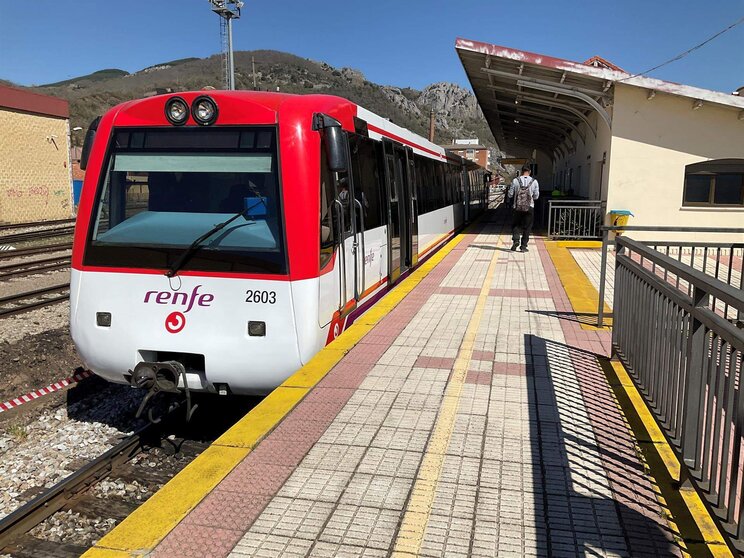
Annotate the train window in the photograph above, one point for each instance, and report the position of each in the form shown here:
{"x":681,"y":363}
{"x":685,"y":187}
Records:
{"x":367,"y":180}
{"x":328,"y":216}
{"x":154,"y":202}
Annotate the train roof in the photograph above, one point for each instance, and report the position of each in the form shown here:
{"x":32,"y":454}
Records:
{"x":272,"y":103}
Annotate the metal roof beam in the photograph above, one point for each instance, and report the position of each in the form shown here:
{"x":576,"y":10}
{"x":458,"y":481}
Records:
{"x":572,"y":108}
{"x":539,"y":124}
{"x":538,"y":81}
{"x":571,"y":92}
{"x":546,"y":115}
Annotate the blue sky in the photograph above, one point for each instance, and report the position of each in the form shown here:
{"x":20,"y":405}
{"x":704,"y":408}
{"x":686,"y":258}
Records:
{"x":398,"y":42}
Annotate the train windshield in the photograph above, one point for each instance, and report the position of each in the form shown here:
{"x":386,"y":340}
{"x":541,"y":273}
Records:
{"x":164,"y":188}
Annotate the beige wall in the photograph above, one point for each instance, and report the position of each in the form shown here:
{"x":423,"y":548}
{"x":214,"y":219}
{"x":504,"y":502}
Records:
{"x":586,"y":161}
{"x":35,"y":179}
{"x":653,"y":140}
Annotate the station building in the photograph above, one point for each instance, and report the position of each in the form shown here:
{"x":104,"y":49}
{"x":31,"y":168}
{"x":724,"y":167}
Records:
{"x":671,"y":154}
{"x":35,"y":170}
{"x":471,"y":149}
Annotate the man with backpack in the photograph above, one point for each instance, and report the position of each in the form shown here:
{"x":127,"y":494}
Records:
{"x":523,"y":191}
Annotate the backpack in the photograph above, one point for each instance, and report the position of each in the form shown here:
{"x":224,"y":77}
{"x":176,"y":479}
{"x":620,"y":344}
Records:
{"x":523,"y":196}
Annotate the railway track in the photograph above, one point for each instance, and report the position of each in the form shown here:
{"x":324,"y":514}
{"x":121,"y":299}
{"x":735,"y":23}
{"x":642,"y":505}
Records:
{"x":36,"y":235}
{"x":30,"y":300}
{"x":14,"y":226}
{"x":32,"y":267}
{"x":8,"y":254}
{"x":149,"y":457}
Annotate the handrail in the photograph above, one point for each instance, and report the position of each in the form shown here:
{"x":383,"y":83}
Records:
{"x":686,"y":359}
{"x":717,"y":288}
{"x":342,"y":263}
{"x":361,"y":220}
{"x":665,"y":228}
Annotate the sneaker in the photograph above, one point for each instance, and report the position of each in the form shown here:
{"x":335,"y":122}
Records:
{"x":523,"y":249}
{"x":515,"y":246}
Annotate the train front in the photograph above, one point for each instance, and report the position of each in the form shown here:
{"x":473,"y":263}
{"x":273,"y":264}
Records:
{"x":180,"y":267}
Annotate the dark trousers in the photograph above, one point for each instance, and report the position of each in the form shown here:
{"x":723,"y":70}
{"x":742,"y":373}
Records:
{"x":522,"y":227}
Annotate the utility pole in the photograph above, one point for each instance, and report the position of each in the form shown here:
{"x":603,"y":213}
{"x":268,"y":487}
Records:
{"x":227,"y":10}
{"x":432,"y":121}
{"x":253,"y":69}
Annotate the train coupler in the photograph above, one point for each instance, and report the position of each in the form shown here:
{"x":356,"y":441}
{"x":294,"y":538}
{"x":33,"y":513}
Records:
{"x":161,"y":377}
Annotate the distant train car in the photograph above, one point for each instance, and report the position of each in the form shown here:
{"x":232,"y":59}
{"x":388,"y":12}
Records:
{"x":223,"y":239}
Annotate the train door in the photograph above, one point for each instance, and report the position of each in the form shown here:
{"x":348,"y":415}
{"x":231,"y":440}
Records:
{"x":468,"y":194}
{"x":349,"y":268}
{"x":413,"y":206}
{"x":398,"y":178}
{"x":392,"y":187}
{"x":339,"y":288}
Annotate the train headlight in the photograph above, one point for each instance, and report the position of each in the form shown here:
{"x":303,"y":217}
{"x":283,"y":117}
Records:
{"x":204,"y":110}
{"x":257,"y":329}
{"x":103,"y":319}
{"x":176,"y":111}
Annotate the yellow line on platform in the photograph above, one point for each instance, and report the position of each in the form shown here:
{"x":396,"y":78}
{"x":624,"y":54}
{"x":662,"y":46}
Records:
{"x":690,"y":516}
{"x":581,"y":244}
{"x":416,"y":517}
{"x":581,"y":293}
{"x":149,"y":524}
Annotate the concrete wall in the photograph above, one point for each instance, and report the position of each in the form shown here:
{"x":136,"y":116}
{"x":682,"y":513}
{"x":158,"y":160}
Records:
{"x":35,"y":179}
{"x":653,"y":140}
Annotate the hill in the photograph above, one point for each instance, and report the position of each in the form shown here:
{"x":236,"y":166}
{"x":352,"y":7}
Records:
{"x":457,"y":112}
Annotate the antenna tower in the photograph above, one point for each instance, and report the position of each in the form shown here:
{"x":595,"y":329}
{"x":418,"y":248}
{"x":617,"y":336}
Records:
{"x":227,"y":10}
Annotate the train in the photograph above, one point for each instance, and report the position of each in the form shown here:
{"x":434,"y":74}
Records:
{"x":224,"y":237}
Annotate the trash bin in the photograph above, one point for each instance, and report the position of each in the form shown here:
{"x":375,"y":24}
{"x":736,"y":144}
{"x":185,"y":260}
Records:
{"x":619,"y":217}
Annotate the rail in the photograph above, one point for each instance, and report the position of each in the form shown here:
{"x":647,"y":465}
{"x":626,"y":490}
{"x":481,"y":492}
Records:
{"x":572,"y":219}
{"x":686,"y":359}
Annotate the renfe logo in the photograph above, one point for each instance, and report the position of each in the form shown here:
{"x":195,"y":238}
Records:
{"x":180,"y":299}
{"x":175,"y":322}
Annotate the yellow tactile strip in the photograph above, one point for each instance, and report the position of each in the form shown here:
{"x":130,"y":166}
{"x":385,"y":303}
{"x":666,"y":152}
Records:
{"x":417,"y":513}
{"x":139,"y":533}
{"x":581,"y":293}
{"x":697,"y":527}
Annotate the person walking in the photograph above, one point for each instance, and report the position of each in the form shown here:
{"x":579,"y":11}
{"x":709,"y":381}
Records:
{"x":523,"y":191}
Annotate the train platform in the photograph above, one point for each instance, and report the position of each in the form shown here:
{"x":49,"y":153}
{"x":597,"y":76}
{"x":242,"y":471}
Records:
{"x":471,"y":412}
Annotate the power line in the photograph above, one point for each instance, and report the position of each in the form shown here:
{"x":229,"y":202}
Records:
{"x":688,"y":51}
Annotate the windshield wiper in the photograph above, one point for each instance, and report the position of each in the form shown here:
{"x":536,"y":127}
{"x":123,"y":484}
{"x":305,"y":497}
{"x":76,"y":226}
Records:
{"x":196,"y":244}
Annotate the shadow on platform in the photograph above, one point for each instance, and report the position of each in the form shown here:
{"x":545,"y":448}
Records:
{"x":593,"y":496}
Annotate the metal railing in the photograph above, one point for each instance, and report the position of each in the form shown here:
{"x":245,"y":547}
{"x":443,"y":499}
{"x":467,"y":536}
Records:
{"x":686,"y":359}
{"x":716,"y":259}
{"x":571,"y":219}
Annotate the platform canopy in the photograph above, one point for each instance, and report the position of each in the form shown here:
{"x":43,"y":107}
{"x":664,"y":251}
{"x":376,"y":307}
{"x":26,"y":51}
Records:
{"x":533,"y":101}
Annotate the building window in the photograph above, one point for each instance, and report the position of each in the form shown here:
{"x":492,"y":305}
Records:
{"x":714,"y":183}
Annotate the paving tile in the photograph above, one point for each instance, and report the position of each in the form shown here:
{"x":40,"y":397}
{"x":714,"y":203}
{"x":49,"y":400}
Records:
{"x":261,"y":545}
{"x":197,"y":541}
{"x":332,"y":550}
{"x":333,"y":457}
{"x":253,"y":476}
{"x":362,"y":526}
{"x":390,"y":462}
{"x":228,"y":510}
{"x":377,"y":491}
{"x":293,"y":518}
{"x":315,"y":484}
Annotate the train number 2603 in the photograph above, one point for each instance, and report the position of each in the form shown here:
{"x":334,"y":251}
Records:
{"x":260,"y":297}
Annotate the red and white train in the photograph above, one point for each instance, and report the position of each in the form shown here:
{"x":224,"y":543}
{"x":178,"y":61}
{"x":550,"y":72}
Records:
{"x":223,"y":239}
